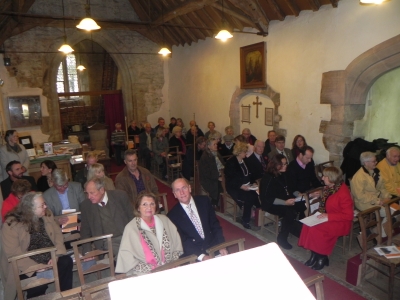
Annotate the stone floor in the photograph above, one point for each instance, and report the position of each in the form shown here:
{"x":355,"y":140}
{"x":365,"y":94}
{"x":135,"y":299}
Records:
{"x":338,"y":262}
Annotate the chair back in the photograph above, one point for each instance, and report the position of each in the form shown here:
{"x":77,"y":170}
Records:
{"x":312,"y":204}
{"x":317,"y":281}
{"x":391,"y":214}
{"x":176,"y":263}
{"x":34,"y":281}
{"x":163,"y":201}
{"x":101,"y":264}
{"x":240,"y":242}
{"x":370,"y":221}
{"x":320,"y":168}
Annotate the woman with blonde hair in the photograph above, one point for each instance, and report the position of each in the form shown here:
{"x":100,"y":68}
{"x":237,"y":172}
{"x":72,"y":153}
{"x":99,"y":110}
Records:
{"x":180,"y":123}
{"x":97,"y":170}
{"x":336,"y":207}
{"x":239,"y":184}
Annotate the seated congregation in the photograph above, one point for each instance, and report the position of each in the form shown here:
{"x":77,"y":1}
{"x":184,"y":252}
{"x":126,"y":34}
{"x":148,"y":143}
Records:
{"x":262,"y":176}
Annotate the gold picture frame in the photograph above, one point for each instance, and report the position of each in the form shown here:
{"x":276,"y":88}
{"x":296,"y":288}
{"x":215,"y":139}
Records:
{"x":252,"y":66}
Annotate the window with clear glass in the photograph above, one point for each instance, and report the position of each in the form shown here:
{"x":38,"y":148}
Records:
{"x":67,"y":75}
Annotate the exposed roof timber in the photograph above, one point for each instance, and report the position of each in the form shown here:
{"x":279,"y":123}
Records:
{"x":293,"y":7}
{"x":140,"y":11}
{"x":187,"y":20}
{"x":231,"y":12}
{"x":183,"y":9}
{"x":275,"y":9}
{"x":334,"y":3}
{"x":315,"y":4}
{"x":199,"y":22}
{"x":253,"y":11}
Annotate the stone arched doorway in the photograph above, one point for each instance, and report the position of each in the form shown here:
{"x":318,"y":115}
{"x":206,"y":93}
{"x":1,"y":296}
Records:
{"x":346,"y":91}
{"x":239,"y":94}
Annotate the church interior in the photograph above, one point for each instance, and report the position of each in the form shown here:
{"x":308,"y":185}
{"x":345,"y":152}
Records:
{"x":329,"y":73}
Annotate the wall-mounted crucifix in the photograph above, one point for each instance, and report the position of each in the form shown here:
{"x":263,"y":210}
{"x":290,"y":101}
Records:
{"x":256,"y":103}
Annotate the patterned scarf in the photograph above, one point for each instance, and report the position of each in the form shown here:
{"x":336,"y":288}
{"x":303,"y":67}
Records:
{"x":326,"y":192}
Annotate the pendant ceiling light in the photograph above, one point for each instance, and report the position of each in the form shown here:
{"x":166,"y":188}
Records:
{"x":88,"y":23}
{"x":224,"y":34}
{"x":164,"y":51}
{"x":80,"y":67}
{"x":65,"y":47}
{"x":372,"y":1}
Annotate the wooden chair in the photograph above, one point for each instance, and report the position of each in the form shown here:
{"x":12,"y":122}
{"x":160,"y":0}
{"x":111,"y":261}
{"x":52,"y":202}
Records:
{"x":312,"y":208}
{"x":99,"y":288}
{"x":266,"y":218}
{"x":370,"y":220}
{"x":173,"y":264}
{"x":68,"y":236}
{"x":320,"y":168}
{"x":25,"y":284}
{"x":240,"y":242}
{"x":174,"y":163}
{"x":229,"y":203}
{"x":163,"y":201}
{"x":100,"y":264}
{"x":390,"y":226}
{"x":317,"y":281}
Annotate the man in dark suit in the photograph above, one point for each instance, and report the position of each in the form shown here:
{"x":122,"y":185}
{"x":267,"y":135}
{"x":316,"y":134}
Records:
{"x":188,"y":162}
{"x":146,"y":148}
{"x":250,"y":139}
{"x":301,"y":172}
{"x":196,"y":221}
{"x":280,"y":149}
{"x":226,"y":149}
{"x":256,"y":162}
{"x":104,"y":212}
{"x":270,"y":142}
{"x":15,"y":170}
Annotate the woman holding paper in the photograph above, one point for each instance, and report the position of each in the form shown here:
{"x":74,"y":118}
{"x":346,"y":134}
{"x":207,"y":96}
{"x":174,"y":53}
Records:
{"x":277,"y":198}
{"x":336,"y":207}
{"x":31,"y":226}
{"x":149,"y":240}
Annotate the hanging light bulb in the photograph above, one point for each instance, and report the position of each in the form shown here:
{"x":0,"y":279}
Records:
{"x":88,"y":23}
{"x":372,"y":1}
{"x":65,"y":47}
{"x":80,"y":68}
{"x":223,"y":35}
{"x":164,"y":51}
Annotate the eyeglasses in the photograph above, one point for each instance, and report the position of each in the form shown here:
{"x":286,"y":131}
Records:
{"x":285,"y":164}
{"x":61,"y":186}
{"x":146,"y":204}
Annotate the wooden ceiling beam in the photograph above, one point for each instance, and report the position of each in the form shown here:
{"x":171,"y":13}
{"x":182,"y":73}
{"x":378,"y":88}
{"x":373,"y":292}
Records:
{"x":315,"y":4}
{"x":276,"y":10}
{"x":199,"y":22}
{"x":253,"y":10}
{"x":140,"y":10}
{"x":334,"y":3}
{"x":293,"y":7}
{"x":187,"y":20}
{"x":234,"y":14}
{"x":182,"y":9}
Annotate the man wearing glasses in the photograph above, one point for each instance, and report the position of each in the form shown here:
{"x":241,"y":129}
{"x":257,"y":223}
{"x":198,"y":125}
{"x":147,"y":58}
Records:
{"x":63,"y":194}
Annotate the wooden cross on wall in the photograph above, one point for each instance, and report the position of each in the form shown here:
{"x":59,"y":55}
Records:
{"x":256,"y":103}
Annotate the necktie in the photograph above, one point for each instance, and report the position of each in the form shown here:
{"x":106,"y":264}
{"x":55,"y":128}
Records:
{"x":263,"y":163}
{"x":195,"y":221}
{"x":102,"y":203}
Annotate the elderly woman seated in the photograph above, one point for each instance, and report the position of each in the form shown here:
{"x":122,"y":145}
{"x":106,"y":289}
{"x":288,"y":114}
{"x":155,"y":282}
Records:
{"x":367,"y":186}
{"x":97,"y":171}
{"x":336,"y":207}
{"x":177,"y":140}
{"x":149,"y":240}
{"x":31,"y":226}
{"x":210,"y":167}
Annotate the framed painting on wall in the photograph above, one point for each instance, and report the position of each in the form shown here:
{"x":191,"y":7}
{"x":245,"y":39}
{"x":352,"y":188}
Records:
{"x":24,"y":111}
{"x":269,"y":117}
{"x":252,"y":66}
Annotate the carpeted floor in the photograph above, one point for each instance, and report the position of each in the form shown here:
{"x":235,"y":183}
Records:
{"x":332,"y":289}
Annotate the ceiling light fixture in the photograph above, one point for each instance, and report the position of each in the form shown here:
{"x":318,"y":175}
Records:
{"x":164,"y":51}
{"x":88,"y":23}
{"x":80,"y":67}
{"x":65,"y":47}
{"x":372,"y":2}
{"x":224,"y":34}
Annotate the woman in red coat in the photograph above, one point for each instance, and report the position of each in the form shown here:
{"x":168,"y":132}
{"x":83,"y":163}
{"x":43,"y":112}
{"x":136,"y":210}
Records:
{"x":337,"y":206}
